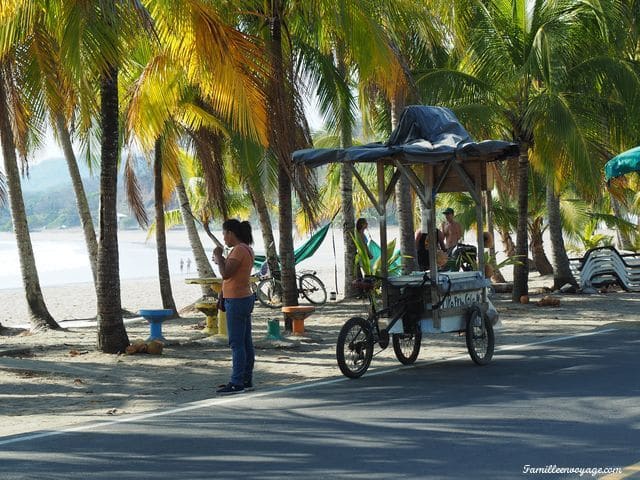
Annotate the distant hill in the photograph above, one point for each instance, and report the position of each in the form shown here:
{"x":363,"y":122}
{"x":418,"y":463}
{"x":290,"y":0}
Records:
{"x":50,"y":174}
{"x":51,"y":203}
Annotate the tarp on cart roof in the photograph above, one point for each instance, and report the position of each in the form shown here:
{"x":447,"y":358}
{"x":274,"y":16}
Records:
{"x":424,"y":135}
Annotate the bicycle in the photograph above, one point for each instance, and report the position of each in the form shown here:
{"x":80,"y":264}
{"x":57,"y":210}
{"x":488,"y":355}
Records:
{"x":269,"y":290}
{"x":356,"y":340}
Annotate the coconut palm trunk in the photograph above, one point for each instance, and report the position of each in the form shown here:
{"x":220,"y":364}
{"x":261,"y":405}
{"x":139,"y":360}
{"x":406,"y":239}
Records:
{"x":346,"y":183}
{"x":39,"y":315}
{"x":561,"y":268}
{"x":404,"y":204}
{"x":203,"y":266}
{"x":161,"y":235}
{"x":521,"y":268}
{"x":260,"y":204}
{"x":496,"y":276}
{"x":540,"y":260}
{"x":112,"y":335}
{"x":281,"y":126}
{"x":287,"y":259}
{"x":624,"y":242}
{"x":81,"y":198}
{"x":507,"y":241}
{"x":348,"y":228}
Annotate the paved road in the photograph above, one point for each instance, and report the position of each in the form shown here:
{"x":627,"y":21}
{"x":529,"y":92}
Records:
{"x":569,"y":403}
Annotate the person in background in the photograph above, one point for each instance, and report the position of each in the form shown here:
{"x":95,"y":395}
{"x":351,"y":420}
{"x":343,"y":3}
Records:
{"x":451,"y":229}
{"x":361,"y":226}
{"x":238,"y":302}
{"x":422,"y":248}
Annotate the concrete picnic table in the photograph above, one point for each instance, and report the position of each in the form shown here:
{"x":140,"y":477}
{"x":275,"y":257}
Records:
{"x":208,"y":305}
{"x":216,"y":320}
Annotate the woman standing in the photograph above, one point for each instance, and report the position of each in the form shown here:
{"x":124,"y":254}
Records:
{"x":238,"y":302}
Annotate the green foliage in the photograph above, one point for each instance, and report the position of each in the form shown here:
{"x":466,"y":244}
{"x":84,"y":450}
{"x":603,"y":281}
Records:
{"x":488,"y":260}
{"x":362,"y":258}
{"x":590,"y":239}
{"x":635,"y":242}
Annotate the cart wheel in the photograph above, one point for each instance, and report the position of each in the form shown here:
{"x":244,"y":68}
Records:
{"x":406,"y":346}
{"x":355,"y":347}
{"x":480,"y":337}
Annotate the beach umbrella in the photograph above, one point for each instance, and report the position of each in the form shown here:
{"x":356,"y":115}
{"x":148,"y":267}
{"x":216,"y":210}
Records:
{"x":622,"y":164}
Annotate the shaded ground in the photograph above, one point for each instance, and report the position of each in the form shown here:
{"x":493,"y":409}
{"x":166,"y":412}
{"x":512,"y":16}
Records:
{"x":57,"y":378}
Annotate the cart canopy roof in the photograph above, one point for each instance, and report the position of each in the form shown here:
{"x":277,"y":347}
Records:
{"x":424,"y":135}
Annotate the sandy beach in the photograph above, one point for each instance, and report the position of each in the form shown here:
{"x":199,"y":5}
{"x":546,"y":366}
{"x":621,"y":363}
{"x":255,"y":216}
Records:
{"x":55,"y":379}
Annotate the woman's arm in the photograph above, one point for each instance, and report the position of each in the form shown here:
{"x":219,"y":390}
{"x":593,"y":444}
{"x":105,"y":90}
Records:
{"x":227,"y":266}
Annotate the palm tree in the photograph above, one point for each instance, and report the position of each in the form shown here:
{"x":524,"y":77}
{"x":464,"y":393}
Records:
{"x":366,"y":41}
{"x":202,"y":93}
{"x":287,"y":132}
{"x":54,"y":81}
{"x":522,"y":65}
{"x":21,"y":106}
{"x":414,"y":37}
{"x":537,"y":207}
{"x":112,"y":335}
{"x":203,"y":267}
{"x":81,"y":198}
{"x":161,"y":236}
{"x":257,"y":171}
{"x":40,"y":317}
{"x":561,"y":267}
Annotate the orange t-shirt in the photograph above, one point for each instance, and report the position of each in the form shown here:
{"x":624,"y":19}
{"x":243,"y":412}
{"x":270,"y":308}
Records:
{"x":239,"y":285}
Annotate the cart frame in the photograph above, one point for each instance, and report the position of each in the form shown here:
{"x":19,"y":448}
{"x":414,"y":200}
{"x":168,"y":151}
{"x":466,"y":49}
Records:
{"x":456,"y":164}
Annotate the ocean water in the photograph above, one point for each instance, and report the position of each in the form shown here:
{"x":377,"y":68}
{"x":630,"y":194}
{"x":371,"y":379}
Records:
{"x":61,"y":256}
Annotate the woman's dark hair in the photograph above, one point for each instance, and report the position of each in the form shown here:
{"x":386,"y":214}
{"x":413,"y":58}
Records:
{"x":242,"y":230}
{"x":361,"y":223}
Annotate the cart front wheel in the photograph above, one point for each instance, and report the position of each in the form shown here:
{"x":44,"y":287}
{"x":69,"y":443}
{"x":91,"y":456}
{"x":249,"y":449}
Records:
{"x":480,"y":337}
{"x":355,"y":347}
{"x":406,"y":346}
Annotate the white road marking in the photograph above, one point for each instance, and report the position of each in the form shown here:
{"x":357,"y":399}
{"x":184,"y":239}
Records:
{"x":303,"y":386}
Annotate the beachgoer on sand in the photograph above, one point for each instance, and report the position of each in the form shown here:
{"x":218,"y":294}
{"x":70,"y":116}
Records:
{"x":238,"y":302}
{"x":188,"y":265}
{"x":361,"y":226}
{"x":181,"y":265}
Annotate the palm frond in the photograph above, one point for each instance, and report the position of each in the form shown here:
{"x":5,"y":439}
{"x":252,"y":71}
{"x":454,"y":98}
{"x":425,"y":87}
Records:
{"x":133,"y":193}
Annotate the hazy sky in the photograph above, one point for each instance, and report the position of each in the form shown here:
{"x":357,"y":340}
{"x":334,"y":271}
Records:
{"x":50,"y":148}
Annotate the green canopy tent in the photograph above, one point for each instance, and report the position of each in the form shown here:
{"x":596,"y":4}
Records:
{"x":304,"y":251}
{"x":622,"y":164}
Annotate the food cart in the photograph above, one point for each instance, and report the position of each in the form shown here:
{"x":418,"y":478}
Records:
{"x":435,"y":154}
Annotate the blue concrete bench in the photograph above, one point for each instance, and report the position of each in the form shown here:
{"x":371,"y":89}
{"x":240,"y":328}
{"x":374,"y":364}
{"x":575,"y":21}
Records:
{"x":155,"y":319}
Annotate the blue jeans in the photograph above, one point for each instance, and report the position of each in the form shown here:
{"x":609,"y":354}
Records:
{"x":239,"y":330}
